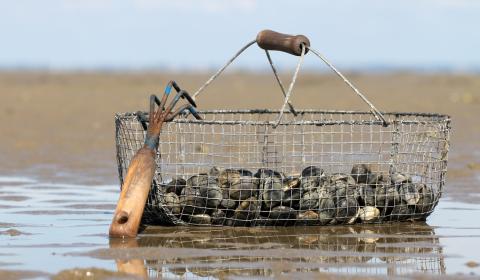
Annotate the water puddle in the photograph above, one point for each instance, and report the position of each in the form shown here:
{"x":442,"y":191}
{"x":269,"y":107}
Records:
{"x":59,"y":227}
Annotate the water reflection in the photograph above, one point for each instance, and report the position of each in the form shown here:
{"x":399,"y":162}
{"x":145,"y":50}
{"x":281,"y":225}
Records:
{"x":392,"y":249}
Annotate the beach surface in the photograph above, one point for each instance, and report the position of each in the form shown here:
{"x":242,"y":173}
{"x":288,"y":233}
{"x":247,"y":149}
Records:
{"x":59,"y":182}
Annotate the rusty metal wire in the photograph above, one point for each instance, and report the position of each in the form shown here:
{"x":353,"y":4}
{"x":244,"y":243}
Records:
{"x":208,"y":170}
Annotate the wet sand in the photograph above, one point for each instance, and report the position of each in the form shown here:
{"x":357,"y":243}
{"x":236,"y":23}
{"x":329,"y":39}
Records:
{"x":58,"y":183}
{"x":60,"y":125}
{"x":60,"y":243}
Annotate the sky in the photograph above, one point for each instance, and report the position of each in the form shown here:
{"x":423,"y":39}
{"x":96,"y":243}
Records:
{"x":203,"y":34}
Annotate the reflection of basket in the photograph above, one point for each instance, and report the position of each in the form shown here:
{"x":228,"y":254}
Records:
{"x":294,"y":252}
{"x":302,"y":162}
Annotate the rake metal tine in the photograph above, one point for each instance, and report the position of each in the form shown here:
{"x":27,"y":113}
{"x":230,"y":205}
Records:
{"x":194,"y":112}
{"x":175,"y":85}
{"x":177,"y":112}
{"x":153,"y":100}
{"x":175,"y":100}
{"x":187,"y":96}
{"x":184,"y":107}
{"x":166,"y":93}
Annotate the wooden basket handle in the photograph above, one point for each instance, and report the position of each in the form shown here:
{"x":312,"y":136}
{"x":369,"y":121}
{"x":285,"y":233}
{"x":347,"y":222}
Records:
{"x":274,"y":41}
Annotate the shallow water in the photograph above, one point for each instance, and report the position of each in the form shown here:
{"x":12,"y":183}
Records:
{"x":47,"y":227}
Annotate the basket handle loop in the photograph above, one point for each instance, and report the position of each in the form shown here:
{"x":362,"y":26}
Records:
{"x":292,"y":83}
{"x":194,"y":96}
{"x":376,"y":113}
{"x":297,"y":45}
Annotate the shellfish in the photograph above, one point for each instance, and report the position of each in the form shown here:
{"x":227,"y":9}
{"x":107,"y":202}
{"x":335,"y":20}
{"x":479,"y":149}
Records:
{"x":360,"y":173}
{"x":192,"y":201}
{"x":409,"y":193}
{"x":346,"y":209}
{"x":176,"y":185}
{"x":171,"y":202}
{"x":368,"y":214}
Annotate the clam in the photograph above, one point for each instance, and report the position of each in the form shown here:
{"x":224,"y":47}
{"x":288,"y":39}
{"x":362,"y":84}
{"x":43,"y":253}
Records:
{"x":312,"y":171}
{"x":409,"y":193}
{"x":367,"y":195}
{"x":360,"y":173}
{"x":272,"y":192}
{"x":229,"y":177}
{"x":401,"y":212}
{"x":309,"y":200}
{"x":291,"y":183}
{"x":344,"y":190}
{"x":175,"y":185}
{"x":171,"y":202}
{"x":368,"y":214}
{"x":246,"y":187}
{"x":327,"y":188}
{"x":326,"y":209}
{"x":386,"y":195}
{"x":292,"y":192}
{"x":247,"y":210}
{"x":346,"y":209}
{"x":373,"y":179}
{"x":427,"y":199}
{"x":212,"y":194}
{"x":291,"y":198}
{"x":307,"y":218}
{"x":311,"y":178}
{"x":227,"y":202}
{"x":200,"y":219}
{"x":199,"y":180}
{"x":245,"y":172}
{"x":400,"y":178}
{"x":214,"y":171}
{"x":282,"y":215}
{"x":335,"y":178}
{"x":192,"y":201}
{"x":263,"y":173}
{"x":240,"y":183}
{"x":218,"y":217}
{"x":309,"y":184}
{"x":208,"y":189}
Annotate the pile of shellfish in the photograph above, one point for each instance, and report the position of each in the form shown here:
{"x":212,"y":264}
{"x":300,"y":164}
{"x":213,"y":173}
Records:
{"x":239,"y":197}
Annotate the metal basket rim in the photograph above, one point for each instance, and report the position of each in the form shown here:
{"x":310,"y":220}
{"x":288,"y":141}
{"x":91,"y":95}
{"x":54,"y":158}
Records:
{"x":435,"y":118}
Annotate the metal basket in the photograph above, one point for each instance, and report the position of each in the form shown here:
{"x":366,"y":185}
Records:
{"x":308,"y":167}
{"x":408,"y":158}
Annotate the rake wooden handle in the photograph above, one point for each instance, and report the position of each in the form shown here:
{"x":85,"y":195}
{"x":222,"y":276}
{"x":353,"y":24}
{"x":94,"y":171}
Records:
{"x":136,"y":186}
{"x":271,"y":40}
{"x":130,"y":266}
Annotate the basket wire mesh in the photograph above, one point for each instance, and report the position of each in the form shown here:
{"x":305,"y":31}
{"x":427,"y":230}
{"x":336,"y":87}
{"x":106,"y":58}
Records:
{"x":320,"y":167}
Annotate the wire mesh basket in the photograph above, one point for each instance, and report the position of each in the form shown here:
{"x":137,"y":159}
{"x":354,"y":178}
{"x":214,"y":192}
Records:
{"x":319,"y":167}
{"x":279,"y":168}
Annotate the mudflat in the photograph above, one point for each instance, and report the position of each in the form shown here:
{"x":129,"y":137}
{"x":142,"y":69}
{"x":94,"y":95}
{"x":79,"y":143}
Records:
{"x":66,"y":120}
{"x":59,"y":185}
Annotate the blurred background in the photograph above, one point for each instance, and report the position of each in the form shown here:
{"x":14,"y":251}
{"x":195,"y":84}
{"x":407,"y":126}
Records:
{"x":67,"y":66}
{"x":432,"y":35}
